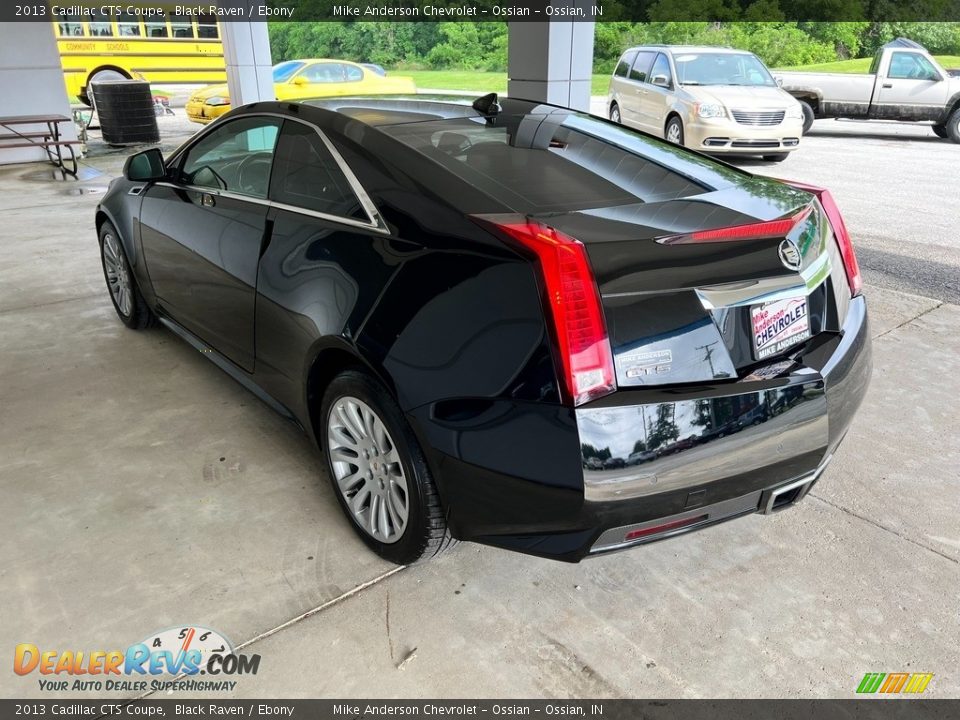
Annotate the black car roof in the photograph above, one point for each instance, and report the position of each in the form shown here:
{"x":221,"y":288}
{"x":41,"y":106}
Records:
{"x":394,"y":120}
{"x":397,"y":109}
{"x":385,"y":111}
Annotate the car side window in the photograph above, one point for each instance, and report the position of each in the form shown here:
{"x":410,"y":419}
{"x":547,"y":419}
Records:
{"x":661,"y":66}
{"x":353,"y":74}
{"x":641,"y":66}
{"x":236,"y":157}
{"x":307,"y":176}
{"x":324,"y":73}
{"x":911,"y":66}
{"x":623,"y":67}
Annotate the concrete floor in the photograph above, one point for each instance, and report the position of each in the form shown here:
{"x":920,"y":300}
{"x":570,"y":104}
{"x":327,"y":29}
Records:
{"x":142,"y":488}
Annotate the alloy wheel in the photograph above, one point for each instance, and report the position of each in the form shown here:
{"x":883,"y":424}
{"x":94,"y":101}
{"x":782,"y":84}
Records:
{"x":673,"y":133}
{"x":367,"y":468}
{"x":615,"y":114}
{"x":118,"y":276}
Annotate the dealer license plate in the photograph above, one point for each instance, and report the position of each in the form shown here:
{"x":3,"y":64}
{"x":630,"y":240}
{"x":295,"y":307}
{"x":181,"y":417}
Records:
{"x":779,"y":325}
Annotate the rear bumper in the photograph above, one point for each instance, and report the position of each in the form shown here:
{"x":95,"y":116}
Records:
{"x":565,"y":484}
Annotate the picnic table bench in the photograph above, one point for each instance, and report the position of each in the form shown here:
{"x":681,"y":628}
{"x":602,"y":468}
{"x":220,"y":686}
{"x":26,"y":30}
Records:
{"x":59,"y":151}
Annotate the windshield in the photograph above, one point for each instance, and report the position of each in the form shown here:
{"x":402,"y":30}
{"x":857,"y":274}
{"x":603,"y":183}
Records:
{"x":285,"y":70}
{"x":721,"y":69}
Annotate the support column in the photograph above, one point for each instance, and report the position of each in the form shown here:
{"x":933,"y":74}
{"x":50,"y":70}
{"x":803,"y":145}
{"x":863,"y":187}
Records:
{"x":246,"y":49}
{"x":551,"y":61}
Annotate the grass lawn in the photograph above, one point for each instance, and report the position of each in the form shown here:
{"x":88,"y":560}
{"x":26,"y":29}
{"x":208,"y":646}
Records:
{"x":497,"y":82}
{"x":862,"y":65}
{"x":478,"y":80}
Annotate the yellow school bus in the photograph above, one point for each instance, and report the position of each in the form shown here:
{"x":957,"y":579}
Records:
{"x":175,"y":49}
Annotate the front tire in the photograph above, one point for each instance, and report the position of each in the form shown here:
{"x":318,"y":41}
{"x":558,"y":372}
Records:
{"x":131,"y":308}
{"x":953,"y":126}
{"x":776,"y":157}
{"x":105,"y":75}
{"x":379,"y":473}
{"x":673,"y":132}
{"x":808,"y":116}
{"x":615,"y":114}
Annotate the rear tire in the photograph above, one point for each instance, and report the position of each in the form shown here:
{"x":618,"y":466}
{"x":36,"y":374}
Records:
{"x":808,"y":115}
{"x":673,"y":131}
{"x":941,"y":131}
{"x":125,"y":295}
{"x":378,"y":471}
{"x":104,"y":75}
{"x":953,"y":126}
{"x":776,"y":157}
{"x":615,"y":114}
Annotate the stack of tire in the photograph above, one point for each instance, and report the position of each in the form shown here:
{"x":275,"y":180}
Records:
{"x":126,"y":112}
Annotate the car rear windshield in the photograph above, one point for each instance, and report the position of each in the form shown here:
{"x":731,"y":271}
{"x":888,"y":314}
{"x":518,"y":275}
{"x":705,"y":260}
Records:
{"x":540,"y":163}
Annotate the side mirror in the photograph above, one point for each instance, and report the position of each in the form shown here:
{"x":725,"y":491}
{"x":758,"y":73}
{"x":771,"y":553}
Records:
{"x":300,"y":80}
{"x":661,"y":81}
{"x":145,"y":166}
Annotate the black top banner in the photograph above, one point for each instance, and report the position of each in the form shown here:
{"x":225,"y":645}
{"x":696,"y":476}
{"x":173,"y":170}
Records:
{"x":497,"y":10}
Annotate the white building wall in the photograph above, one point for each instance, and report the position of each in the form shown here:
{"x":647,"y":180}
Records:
{"x":31,"y":82}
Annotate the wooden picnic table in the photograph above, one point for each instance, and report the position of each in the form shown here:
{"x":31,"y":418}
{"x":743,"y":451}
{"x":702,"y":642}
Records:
{"x":49,"y":139}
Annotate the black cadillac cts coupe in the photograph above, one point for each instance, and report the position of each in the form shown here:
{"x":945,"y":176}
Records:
{"x":514,"y":324}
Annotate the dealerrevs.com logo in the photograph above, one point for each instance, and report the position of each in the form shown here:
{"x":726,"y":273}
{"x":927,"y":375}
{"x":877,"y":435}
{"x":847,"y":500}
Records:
{"x":171,"y":659}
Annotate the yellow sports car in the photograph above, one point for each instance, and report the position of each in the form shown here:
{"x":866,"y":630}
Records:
{"x":296,"y":79}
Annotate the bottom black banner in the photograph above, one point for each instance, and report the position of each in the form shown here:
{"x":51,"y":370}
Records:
{"x":905,"y":709}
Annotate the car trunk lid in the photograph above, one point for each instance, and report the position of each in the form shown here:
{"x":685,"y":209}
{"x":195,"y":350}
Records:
{"x":712,"y":287}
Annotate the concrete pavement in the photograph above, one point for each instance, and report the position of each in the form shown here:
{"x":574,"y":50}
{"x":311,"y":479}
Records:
{"x":144,"y":489}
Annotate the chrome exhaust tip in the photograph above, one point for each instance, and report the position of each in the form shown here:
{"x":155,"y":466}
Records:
{"x":782,"y":497}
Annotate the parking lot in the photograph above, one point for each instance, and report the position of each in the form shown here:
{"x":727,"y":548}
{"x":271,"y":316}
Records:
{"x":144,"y":489}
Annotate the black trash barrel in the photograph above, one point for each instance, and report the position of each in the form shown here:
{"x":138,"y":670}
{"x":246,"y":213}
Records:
{"x":125,"y":109}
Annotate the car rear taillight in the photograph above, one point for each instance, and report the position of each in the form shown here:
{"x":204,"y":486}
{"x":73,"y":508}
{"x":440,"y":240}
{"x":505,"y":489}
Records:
{"x":830,"y":209}
{"x":750,"y":231}
{"x":572,"y":302}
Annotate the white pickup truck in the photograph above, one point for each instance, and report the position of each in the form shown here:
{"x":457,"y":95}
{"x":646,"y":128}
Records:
{"x":905,"y":84}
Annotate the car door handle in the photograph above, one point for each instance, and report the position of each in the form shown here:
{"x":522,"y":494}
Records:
{"x":207,"y":200}
{"x":887,"y":86}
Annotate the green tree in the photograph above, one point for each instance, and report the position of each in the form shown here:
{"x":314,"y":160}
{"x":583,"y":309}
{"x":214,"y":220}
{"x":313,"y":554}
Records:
{"x":663,"y":429}
{"x":845,"y":37}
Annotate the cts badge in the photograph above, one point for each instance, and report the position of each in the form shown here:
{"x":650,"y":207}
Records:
{"x":790,"y":255}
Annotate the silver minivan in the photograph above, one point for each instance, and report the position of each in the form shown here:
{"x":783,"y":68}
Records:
{"x":716,"y":100}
